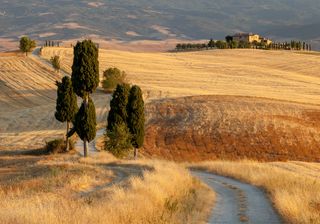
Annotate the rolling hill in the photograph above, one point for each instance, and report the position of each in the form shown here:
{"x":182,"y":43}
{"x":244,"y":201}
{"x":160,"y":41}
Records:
{"x":200,"y":105}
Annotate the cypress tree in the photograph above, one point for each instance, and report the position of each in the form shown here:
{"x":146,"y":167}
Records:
{"x":85,"y":68}
{"x":85,"y":80}
{"x":66,"y":105}
{"x":85,"y":121}
{"x":118,"y":106}
{"x":136,"y":119}
{"x":119,"y":137}
{"x":211,"y":43}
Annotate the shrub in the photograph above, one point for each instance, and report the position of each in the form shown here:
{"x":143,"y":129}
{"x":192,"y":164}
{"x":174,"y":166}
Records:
{"x":118,"y":140}
{"x":58,"y":146}
{"x":55,"y":61}
{"x":112,"y":77}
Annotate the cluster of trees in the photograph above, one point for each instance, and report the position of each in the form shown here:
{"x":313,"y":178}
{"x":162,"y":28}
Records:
{"x":51,"y":43}
{"x":126,"y":120}
{"x":125,"y":127}
{"x":229,"y":43}
{"x":26,"y":45}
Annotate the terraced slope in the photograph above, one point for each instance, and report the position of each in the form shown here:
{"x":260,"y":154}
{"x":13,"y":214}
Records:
{"x":25,"y":83}
{"x":27,"y":103}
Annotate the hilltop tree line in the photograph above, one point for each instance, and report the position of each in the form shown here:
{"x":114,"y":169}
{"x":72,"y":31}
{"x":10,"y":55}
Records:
{"x":229,"y":43}
{"x":125,"y":128}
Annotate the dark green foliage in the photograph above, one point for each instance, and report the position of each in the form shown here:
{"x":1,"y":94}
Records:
{"x":55,"y":61}
{"x":112,"y":77}
{"x":55,"y":146}
{"x":26,"y":44}
{"x":66,"y":107}
{"x":221,"y":44}
{"x":85,"y":68}
{"x":229,"y":39}
{"x":118,"y":106}
{"x":136,"y":119}
{"x":191,"y":47}
{"x":118,"y":140}
{"x":85,"y":121}
{"x":211,"y":43}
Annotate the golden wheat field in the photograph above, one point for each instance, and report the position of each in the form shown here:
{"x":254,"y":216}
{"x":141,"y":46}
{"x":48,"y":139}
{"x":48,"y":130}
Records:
{"x":272,"y":74}
{"x":292,"y":186}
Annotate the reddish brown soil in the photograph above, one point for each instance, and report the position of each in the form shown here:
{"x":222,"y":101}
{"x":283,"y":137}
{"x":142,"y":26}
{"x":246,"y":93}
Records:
{"x":228,"y":127}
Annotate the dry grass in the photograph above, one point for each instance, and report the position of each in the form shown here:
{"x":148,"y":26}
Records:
{"x":293,"y":186}
{"x":66,"y":190}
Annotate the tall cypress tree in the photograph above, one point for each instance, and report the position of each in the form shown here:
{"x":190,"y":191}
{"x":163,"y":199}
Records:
{"x":66,"y":105}
{"x":118,"y":106}
{"x":136,"y":119}
{"x":85,"y":80}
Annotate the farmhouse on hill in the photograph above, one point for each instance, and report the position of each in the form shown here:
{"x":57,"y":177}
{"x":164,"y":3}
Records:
{"x":250,"y":38}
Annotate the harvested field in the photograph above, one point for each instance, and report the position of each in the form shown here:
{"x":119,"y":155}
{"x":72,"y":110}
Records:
{"x":227,"y":127}
{"x":270,"y":74}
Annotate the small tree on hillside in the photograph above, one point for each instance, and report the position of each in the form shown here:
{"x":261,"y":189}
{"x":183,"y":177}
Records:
{"x":55,"y":61}
{"x":66,"y":106}
{"x":136,"y":119}
{"x":112,"y":77}
{"x":85,"y":80}
{"x":26,"y":45}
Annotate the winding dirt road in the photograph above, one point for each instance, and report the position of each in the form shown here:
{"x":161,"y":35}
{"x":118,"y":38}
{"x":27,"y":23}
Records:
{"x":238,"y":202}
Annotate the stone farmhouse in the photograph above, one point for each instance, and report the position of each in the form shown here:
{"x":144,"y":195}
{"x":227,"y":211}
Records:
{"x":250,"y":38}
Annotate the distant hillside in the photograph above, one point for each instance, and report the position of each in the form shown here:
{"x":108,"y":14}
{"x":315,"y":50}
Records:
{"x":158,"y":20}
